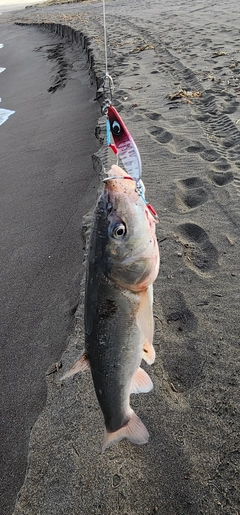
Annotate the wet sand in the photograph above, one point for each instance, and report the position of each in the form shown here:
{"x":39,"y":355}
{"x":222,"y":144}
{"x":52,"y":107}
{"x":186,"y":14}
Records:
{"x":190,"y":148}
{"x":47,"y":184}
{"x":11,"y":5}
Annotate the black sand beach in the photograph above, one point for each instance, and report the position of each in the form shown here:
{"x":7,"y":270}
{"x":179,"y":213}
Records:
{"x":47,"y":185}
{"x":190,"y":148}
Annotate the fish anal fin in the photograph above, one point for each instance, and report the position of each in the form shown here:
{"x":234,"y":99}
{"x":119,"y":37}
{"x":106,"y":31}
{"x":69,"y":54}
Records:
{"x":134,"y":430}
{"x":141,"y":382}
{"x":81,"y":365}
{"x":148,"y":353}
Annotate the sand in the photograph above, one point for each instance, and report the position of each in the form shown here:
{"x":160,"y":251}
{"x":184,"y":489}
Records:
{"x":47,"y":185}
{"x":11,"y":5}
{"x":190,"y":148}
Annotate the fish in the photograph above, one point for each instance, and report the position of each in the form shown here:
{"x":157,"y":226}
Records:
{"x":122,"y":264}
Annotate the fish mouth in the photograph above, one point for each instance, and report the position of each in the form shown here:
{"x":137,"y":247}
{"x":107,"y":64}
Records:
{"x":118,"y":180}
{"x":116,"y":172}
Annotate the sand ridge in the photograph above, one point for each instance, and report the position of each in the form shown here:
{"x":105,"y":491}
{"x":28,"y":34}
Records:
{"x":191,"y":169}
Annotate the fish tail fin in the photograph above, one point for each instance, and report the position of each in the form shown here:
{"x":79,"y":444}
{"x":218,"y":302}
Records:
{"x":134,"y":430}
{"x":81,"y":365}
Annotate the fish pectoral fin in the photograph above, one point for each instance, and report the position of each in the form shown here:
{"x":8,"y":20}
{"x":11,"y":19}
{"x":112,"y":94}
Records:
{"x":148,"y":353}
{"x":134,"y":430}
{"x":141,"y":382}
{"x":81,"y":365}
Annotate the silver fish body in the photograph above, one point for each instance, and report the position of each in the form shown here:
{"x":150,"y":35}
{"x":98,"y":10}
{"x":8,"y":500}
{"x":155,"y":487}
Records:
{"x":114,"y":348}
{"x":123,"y":262}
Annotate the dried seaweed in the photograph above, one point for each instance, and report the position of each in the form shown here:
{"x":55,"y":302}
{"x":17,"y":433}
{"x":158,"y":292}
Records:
{"x":185,"y":95}
{"x":142,"y":48}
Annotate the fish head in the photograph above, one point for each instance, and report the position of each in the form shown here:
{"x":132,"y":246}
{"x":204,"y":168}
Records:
{"x":132,"y":252}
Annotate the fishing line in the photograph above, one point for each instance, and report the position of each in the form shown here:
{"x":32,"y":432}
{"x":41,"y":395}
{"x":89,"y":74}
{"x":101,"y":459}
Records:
{"x":105,"y":37}
{"x":123,"y":144}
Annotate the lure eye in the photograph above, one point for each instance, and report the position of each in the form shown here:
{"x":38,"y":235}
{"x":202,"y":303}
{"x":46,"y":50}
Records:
{"x":116,"y":128}
{"x":119,"y":231}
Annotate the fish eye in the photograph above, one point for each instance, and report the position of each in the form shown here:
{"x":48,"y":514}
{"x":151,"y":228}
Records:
{"x":119,"y":231}
{"x":116,"y":128}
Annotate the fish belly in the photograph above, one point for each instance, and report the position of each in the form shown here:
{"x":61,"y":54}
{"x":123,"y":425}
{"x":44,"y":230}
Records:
{"x":145,"y":323}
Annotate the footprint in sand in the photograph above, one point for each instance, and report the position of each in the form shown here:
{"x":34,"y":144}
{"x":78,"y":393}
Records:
{"x":208,"y":154}
{"x":196,"y":148}
{"x":229,"y":142}
{"x":230,"y":109}
{"x":220,"y":178}
{"x":160,"y":135}
{"x":222,"y":164}
{"x":153,"y":116}
{"x":190,"y":194}
{"x":182,"y":363}
{"x":177,"y":314}
{"x":199,"y":253}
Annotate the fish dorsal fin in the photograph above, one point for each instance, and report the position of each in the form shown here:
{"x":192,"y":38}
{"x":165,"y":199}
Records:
{"x":141,"y":382}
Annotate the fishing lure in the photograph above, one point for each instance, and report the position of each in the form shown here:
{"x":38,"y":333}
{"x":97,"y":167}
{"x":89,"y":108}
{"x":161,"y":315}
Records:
{"x":124,"y":144}
{"x":125,"y":147}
